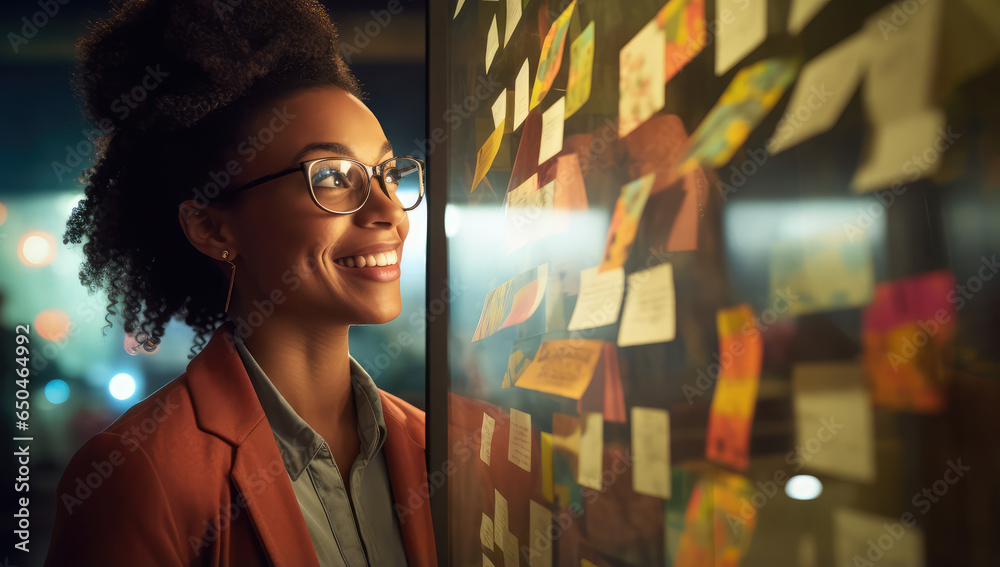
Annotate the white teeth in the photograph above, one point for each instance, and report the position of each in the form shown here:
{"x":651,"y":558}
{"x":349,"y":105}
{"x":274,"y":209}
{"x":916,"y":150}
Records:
{"x":389,"y":258}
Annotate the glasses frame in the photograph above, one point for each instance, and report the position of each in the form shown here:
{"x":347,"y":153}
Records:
{"x":305,"y":167}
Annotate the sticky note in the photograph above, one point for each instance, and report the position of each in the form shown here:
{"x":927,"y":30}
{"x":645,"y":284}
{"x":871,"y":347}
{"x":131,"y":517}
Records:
{"x":519,"y":447}
{"x":649,"y":314}
{"x":500,"y":525}
{"x":522,"y":95}
{"x":486,"y":155}
{"x":486,"y":448}
{"x":591,"y":451}
{"x":540,"y":529}
{"x":513,"y":16}
{"x":581,"y":70}
{"x":552,"y":131}
{"x":651,"y":451}
{"x":500,"y":108}
{"x":739,"y":34}
{"x":834,"y":425}
{"x":599,"y":300}
{"x":486,"y":532}
{"x":642,"y":74}
{"x":563,"y":367}
{"x":492,"y":44}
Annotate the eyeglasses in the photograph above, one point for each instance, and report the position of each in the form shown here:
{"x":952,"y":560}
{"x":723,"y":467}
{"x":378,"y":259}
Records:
{"x":342,"y":185}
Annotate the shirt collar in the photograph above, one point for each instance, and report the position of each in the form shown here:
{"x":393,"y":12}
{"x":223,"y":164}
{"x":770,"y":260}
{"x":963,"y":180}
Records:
{"x":299,"y":443}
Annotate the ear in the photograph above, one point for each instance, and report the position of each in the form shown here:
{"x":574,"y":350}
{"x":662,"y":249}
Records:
{"x":207,"y":229}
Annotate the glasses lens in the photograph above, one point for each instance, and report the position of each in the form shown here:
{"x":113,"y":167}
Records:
{"x":403,"y":178}
{"x":339,"y":185}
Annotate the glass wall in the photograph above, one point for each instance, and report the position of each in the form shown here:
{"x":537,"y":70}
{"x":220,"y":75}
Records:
{"x":720,"y":282}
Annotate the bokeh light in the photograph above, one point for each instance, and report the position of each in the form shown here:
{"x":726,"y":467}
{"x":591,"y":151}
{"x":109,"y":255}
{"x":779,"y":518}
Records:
{"x":122,"y":386}
{"x":804,"y":487}
{"x":52,"y":324}
{"x":57,"y":391}
{"x":37,"y":248}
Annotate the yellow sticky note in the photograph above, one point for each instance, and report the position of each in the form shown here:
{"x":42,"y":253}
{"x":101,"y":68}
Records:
{"x":581,"y":70}
{"x":546,"y":447}
{"x":486,"y":155}
{"x":562,"y":367}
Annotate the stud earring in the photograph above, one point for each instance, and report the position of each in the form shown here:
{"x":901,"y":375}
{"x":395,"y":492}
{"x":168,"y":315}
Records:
{"x":225,"y":256}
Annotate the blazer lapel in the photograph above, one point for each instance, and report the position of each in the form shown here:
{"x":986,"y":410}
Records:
{"x":259,"y":475}
{"x":226,"y":405}
{"x":404,"y":453}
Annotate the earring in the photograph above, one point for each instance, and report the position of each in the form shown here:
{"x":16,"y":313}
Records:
{"x":225,"y":256}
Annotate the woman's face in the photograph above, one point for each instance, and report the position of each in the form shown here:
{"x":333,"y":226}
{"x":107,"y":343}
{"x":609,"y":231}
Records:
{"x":290,"y":251}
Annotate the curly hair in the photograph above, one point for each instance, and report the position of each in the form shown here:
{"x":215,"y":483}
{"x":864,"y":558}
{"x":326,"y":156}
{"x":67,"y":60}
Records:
{"x":172,"y":84}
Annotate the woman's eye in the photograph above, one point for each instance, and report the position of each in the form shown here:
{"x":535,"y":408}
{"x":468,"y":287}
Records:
{"x":331,"y":178}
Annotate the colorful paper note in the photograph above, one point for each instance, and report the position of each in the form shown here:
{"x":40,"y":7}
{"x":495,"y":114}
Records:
{"x":519,"y":447}
{"x":599,"y":300}
{"x":562,"y":367}
{"x":581,"y":70}
{"x":539,"y":536}
{"x":625,"y":222}
{"x":683,"y":22}
{"x":522,"y":95}
{"x":510,"y":555}
{"x":649,"y":315}
{"x":458,"y":8}
{"x":552,"y":131}
{"x":545,"y":447}
{"x":746,"y":101}
{"x":486,"y":446}
{"x":834,"y":425}
{"x":492,"y":44}
{"x":499,"y":108}
{"x":908,"y":335}
{"x":859,"y":538}
{"x":513,"y":302}
{"x":825,"y":86}
{"x":715,"y":530}
{"x":898,"y":96}
{"x":551,"y":57}
{"x":486,"y":155}
{"x":742,"y":27}
{"x":591,"y":450}
{"x":651,"y":451}
{"x":821,"y":272}
{"x":486,"y":532}
{"x":531,"y":214}
{"x":513,"y":16}
{"x":500,"y":520}
{"x":642,"y":68}
{"x":730,"y":418}
{"x":522,"y":352}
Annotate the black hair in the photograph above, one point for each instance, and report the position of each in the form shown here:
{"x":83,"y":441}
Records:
{"x":172,"y":85}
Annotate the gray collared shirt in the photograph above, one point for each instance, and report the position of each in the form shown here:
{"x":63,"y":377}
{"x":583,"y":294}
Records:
{"x":356,"y":529}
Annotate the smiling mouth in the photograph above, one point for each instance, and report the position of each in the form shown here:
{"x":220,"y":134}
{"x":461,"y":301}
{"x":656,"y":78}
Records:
{"x":389,"y":258}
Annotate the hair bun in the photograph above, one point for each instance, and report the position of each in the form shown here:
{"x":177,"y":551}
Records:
{"x":166,"y":64}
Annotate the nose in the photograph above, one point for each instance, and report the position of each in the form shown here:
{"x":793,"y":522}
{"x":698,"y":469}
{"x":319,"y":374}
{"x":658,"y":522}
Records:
{"x":379,"y":209}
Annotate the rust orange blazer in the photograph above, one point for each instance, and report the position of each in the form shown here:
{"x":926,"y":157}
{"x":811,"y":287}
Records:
{"x":192,"y":476}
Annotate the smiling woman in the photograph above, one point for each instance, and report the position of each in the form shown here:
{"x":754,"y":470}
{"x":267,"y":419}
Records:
{"x":253,"y":194}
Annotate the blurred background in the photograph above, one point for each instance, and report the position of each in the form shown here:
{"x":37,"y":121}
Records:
{"x":82,"y":376}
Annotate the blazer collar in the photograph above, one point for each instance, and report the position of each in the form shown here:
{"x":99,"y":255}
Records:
{"x":226,"y":405}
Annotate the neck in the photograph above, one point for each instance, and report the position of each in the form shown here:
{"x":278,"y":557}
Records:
{"x":308,"y":364}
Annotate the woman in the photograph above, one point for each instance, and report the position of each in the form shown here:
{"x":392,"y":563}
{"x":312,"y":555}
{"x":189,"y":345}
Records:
{"x":243,"y":181}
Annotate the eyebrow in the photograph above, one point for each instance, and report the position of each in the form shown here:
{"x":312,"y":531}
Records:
{"x":336,"y":148}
